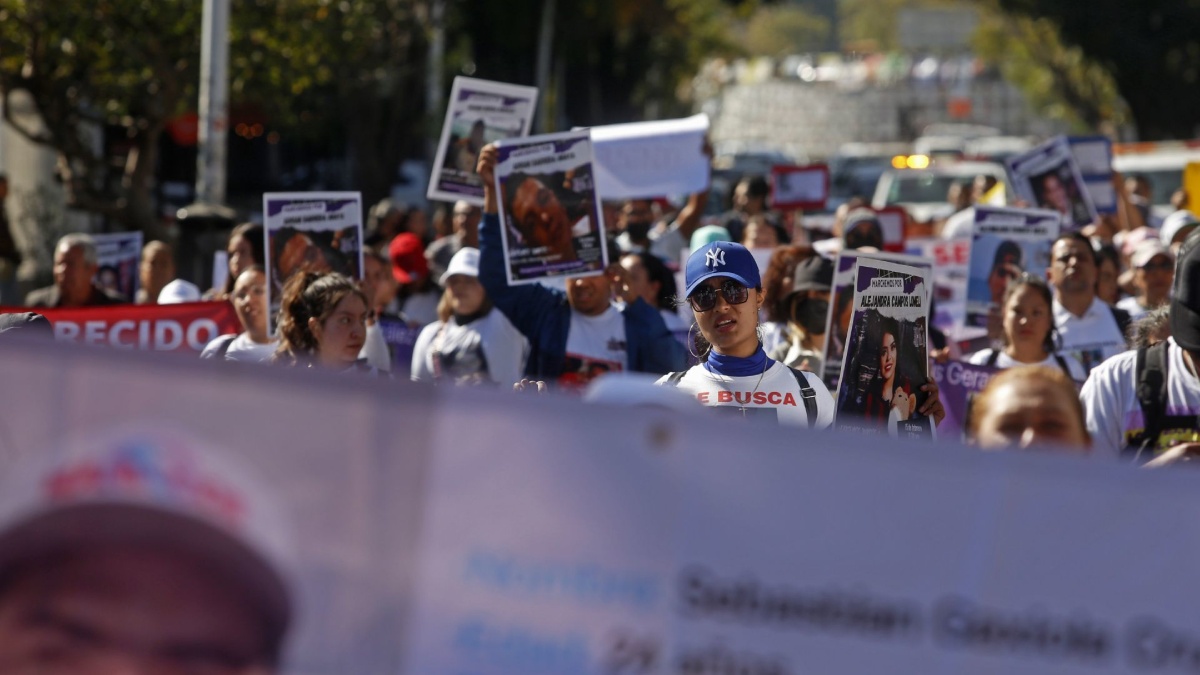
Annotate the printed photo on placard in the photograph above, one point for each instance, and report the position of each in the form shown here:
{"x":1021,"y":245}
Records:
{"x":549,"y":207}
{"x":314,"y":231}
{"x":1047,"y":177}
{"x":841,"y":305}
{"x":118,"y":255}
{"x":480,"y":112}
{"x":1006,"y":242}
{"x":887,"y":354}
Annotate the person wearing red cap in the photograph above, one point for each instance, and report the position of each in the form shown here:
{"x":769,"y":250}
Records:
{"x":418,"y":295}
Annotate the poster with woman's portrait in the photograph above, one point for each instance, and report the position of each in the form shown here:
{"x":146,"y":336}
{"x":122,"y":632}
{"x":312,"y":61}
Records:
{"x":886,"y":361}
{"x":1048,"y":177}
{"x":479,"y":112}
{"x":313,"y":231}
{"x":841,"y":304}
{"x":1005,"y":243}
{"x":549,"y":208}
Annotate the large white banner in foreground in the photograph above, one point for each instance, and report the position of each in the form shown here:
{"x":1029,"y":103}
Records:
{"x":471,"y":532}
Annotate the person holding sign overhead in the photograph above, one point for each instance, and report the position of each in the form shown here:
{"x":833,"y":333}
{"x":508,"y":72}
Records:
{"x":576,"y":334}
{"x":725,"y":291}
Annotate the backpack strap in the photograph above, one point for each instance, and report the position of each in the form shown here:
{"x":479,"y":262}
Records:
{"x":674,"y":378}
{"x":1123,"y":320}
{"x":1151,"y":371}
{"x":808,"y":395}
{"x":1062,"y":363}
{"x":992,"y":357}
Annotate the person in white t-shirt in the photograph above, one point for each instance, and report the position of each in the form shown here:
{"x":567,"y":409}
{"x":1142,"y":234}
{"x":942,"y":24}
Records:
{"x":253,"y":344}
{"x":1091,"y":331}
{"x":1169,"y":430}
{"x":1028,"y":330}
{"x":472,"y":343}
{"x":724,"y":289}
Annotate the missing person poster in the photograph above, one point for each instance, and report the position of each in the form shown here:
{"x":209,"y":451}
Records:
{"x":1006,"y":243}
{"x":1048,"y":177}
{"x":480,"y":112}
{"x":841,"y":304}
{"x":118,"y":255}
{"x":886,"y":361}
{"x":310,"y":231}
{"x":549,"y":207}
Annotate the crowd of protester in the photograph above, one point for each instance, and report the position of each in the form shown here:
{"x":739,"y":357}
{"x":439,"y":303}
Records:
{"x":1119,"y":297}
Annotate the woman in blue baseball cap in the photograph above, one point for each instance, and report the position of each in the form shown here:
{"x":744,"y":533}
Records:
{"x":725,"y":292}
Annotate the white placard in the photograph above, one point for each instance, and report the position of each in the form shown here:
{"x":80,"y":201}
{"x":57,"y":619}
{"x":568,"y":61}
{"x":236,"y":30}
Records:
{"x":651,"y":159}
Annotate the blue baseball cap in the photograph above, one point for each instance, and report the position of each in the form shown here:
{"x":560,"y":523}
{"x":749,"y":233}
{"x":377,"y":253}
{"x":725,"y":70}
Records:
{"x":721,"y":259}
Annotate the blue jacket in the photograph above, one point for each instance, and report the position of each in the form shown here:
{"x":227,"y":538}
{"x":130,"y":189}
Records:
{"x":544,"y":317}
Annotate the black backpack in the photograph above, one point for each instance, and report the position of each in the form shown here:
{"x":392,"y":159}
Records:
{"x":1151,"y":373}
{"x":807,"y":393}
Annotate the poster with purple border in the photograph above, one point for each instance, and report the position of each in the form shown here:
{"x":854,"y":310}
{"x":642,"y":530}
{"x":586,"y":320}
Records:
{"x":317,"y":231}
{"x":886,"y":361}
{"x":118,"y":256}
{"x":549,"y":208}
{"x":958,"y":383}
{"x":841,"y":304}
{"x":1006,"y":242}
{"x":480,"y":112}
{"x":1048,"y":177}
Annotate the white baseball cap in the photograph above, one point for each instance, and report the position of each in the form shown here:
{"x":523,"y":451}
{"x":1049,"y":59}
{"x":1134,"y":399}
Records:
{"x":178,"y":291}
{"x":1174,"y":223}
{"x":1147,"y":251}
{"x":154,"y":487}
{"x":465,"y":262}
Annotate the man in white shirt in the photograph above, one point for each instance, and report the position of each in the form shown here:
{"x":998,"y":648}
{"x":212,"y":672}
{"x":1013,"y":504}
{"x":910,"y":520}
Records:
{"x":1091,"y":331}
{"x":1167,"y":427}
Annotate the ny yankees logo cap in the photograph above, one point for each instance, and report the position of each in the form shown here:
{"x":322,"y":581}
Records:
{"x":721,"y":259}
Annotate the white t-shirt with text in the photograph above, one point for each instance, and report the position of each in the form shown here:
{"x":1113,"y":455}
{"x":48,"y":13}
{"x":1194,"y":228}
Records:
{"x":1003,"y":360}
{"x":489,"y":349}
{"x":595,"y":345}
{"x":775,"y":399}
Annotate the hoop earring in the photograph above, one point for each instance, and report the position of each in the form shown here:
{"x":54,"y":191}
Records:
{"x":691,"y":344}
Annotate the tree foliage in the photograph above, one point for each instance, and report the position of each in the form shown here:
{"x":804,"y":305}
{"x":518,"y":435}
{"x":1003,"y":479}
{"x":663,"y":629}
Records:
{"x":1150,"y":48}
{"x":786,"y":29}
{"x":127,"y":64}
{"x":1057,"y":79}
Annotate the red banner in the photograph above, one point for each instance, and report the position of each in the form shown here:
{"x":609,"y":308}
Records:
{"x":184,"y":327}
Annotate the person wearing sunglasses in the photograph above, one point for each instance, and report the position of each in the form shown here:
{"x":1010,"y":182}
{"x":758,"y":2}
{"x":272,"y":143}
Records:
{"x":725,"y":291}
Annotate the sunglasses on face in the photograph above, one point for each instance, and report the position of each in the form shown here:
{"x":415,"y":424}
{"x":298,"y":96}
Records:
{"x":705,"y":297}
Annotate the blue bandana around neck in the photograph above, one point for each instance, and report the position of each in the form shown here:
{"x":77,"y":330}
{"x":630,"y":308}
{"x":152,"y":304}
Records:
{"x":736,"y":366}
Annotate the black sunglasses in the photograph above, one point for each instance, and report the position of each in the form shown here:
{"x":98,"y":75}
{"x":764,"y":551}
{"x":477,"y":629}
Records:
{"x":705,"y":297}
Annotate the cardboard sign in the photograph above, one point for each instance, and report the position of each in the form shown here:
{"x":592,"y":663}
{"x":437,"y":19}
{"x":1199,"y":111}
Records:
{"x":651,"y":159}
{"x":799,"y":187}
{"x":1048,"y":177}
{"x":316,"y":231}
{"x":1093,"y":155}
{"x":1006,"y":243}
{"x":549,"y":207}
{"x":119,"y":255}
{"x":886,"y":361}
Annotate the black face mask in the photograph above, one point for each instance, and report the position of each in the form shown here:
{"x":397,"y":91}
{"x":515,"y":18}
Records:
{"x":638,"y":231}
{"x":811,"y":315}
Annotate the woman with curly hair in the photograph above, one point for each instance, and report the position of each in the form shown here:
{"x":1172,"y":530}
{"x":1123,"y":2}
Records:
{"x":322,"y":322}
